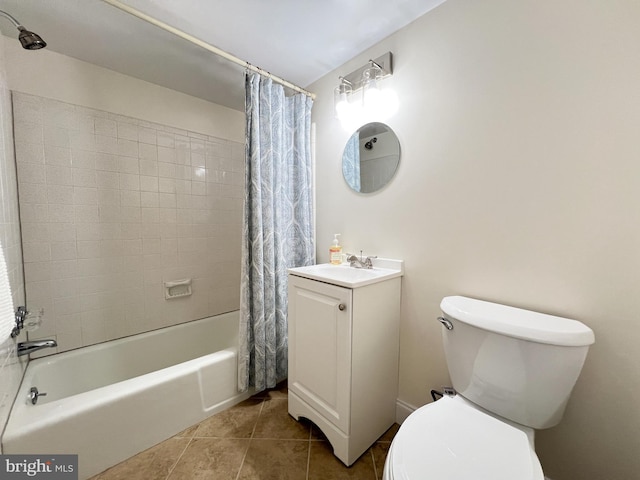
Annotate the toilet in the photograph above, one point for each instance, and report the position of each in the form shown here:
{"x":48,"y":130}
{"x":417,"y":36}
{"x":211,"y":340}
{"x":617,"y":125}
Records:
{"x":512,"y":371}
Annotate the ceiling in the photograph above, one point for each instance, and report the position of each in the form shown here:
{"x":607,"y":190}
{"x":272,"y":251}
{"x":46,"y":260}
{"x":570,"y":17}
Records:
{"x":298,"y":40}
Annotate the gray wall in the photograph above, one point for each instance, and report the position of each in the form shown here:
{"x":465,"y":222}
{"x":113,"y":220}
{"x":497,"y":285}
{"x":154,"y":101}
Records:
{"x":519,"y":183}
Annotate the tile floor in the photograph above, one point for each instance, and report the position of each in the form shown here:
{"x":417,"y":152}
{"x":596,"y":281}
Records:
{"x":256,"y":439}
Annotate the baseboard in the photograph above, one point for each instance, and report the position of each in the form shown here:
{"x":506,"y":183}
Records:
{"x":403,"y":410}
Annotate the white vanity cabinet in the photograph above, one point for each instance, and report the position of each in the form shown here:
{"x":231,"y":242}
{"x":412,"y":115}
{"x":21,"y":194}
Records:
{"x":343,"y":358}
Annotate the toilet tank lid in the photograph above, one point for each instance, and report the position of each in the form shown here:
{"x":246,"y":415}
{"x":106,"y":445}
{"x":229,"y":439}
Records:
{"x":518,"y":323}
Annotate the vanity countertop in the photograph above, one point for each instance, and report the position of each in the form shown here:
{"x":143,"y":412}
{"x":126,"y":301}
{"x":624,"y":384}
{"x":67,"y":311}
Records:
{"x":346,"y":276}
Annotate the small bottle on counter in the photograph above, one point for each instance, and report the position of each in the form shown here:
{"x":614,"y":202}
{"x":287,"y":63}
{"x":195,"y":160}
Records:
{"x":335,"y":251}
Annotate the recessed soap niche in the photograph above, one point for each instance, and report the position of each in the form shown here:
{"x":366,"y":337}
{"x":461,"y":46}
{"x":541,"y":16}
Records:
{"x":177,"y":289}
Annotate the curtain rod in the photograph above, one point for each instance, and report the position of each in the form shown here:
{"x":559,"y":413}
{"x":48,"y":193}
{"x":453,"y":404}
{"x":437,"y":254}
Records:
{"x":205,"y":45}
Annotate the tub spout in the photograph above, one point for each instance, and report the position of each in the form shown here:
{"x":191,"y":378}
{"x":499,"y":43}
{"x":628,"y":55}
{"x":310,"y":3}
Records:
{"x":25,"y":348}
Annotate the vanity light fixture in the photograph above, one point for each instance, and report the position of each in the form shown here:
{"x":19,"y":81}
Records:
{"x":373,"y":103}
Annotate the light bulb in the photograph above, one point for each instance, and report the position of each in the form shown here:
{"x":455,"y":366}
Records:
{"x":341,"y":98}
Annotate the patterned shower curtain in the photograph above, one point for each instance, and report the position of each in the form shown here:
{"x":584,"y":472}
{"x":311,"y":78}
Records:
{"x":278,"y":226}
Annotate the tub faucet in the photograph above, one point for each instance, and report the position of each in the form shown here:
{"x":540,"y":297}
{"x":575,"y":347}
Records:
{"x":25,"y":348}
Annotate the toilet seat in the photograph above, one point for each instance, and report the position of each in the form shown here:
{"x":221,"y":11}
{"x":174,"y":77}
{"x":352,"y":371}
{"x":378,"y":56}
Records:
{"x":452,"y":439}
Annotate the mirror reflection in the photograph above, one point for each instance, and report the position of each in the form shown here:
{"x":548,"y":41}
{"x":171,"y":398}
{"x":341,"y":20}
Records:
{"x":370,"y":158}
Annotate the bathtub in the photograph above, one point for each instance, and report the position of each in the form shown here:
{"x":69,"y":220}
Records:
{"x":110,"y":401}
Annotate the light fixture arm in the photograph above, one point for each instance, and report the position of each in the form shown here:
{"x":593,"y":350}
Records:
{"x":383,"y":62}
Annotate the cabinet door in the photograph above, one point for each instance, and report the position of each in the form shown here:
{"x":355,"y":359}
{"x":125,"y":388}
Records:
{"x":320,"y":347}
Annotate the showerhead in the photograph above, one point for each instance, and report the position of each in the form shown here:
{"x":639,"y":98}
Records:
{"x":29,"y":40}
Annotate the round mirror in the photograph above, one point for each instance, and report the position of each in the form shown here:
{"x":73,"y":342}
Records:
{"x":370,"y":158}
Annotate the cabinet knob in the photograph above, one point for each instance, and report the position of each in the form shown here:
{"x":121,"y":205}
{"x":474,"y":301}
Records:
{"x":342,"y":307}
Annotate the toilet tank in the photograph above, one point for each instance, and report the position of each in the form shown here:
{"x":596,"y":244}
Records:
{"x":515,"y":363}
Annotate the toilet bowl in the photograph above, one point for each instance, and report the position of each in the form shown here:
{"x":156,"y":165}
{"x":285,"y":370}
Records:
{"x":513,"y":371}
{"x":453,"y":439}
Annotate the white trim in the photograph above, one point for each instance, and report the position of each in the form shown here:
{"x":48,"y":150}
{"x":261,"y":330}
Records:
{"x":403,"y":410}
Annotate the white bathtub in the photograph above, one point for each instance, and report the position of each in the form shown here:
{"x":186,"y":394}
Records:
{"x":110,"y":401}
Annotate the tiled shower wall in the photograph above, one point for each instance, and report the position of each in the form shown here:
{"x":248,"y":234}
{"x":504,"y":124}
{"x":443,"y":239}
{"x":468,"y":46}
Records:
{"x":112,"y":207}
{"x":11,"y":369}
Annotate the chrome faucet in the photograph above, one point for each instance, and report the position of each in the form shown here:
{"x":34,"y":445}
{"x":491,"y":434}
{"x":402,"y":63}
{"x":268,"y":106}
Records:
{"x":361,"y":262}
{"x":25,"y":348}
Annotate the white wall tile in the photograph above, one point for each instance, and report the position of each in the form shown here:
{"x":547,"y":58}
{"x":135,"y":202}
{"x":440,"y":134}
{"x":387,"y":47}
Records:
{"x":85,"y":196}
{"x":31,"y":172}
{"x":60,"y":194}
{"x":129,"y":181}
{"x":38,"y":271}
{"x":84,"y":159}
{"x":28,"y":132}
{"x":118,"y":205}
{"x":128,"y":148}
{"x":167,"y":200}
{"x":130,"y":215}
{"x":128,"y":165}
{"x":104,"y":144}
{"x":86,"y":214}
{"x":147,"y":135}
{"x":29,"y":153}
{"x":149,"y":199}
{"x":59,"y":175}
{"x":148,"y":167}
{"x":83,"y":177}
{"x":166,"y":154}
{"x":82,"y":140}
{"x":61,"y":232}
{"x":127,"y":131}
{"x":63,"y":251}
{"x":36,"y":252}
{"x":88,"y":249}
{"x":148,"y":152}
{"x":166,"y":139}
{"x":32,"y":193}
{"x":106,"y":127}
{"x":148,"y":183}
{"x":106,"y":162}
{"x":89,"y":231}
{"x":130,"y":198}
{"x":109,"y":196}
{"x":108,"y":179}
{"x":56,"y":136}
{"x":64,"y":269}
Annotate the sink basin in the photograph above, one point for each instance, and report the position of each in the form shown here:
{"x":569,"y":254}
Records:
{"x":350,"y":277}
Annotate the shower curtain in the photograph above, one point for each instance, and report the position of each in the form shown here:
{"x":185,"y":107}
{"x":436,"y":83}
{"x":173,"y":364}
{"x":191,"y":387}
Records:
{"x":277,"y":228}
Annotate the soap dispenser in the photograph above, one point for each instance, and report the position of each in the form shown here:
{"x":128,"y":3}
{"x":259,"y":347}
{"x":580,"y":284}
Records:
{"x":335,"y":251}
